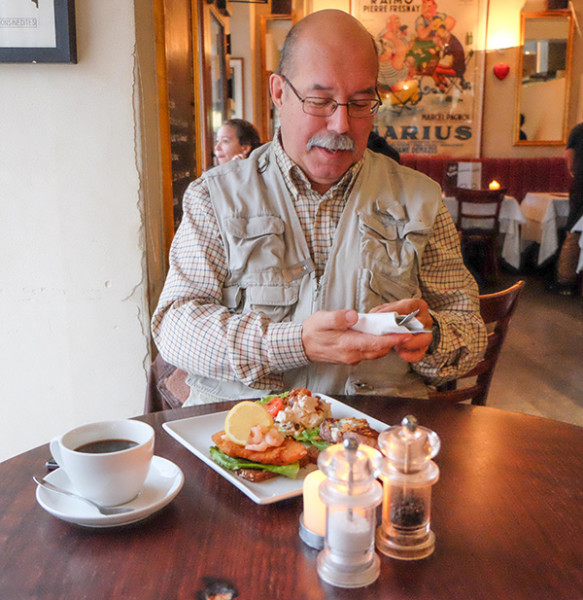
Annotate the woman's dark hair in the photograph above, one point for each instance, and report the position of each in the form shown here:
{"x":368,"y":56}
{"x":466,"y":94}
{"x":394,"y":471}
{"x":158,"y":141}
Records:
{"x":246,"y":132}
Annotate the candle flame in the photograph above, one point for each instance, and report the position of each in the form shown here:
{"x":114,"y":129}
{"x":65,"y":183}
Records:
{"x":494,"y":185}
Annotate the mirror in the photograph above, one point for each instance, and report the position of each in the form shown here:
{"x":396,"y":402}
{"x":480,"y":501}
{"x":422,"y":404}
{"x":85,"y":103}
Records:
{"x":544,"y":72}
{"x":274,"y":29}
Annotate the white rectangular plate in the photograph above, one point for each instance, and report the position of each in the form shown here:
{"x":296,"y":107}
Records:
{"x":195,"y":434}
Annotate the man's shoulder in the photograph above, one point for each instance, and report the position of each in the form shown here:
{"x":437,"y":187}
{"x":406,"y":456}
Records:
{"x":576,"y":135}
{"x":399,"y":178}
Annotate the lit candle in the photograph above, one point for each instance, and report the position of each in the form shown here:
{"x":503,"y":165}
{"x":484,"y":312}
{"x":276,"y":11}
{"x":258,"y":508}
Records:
{"x":494,"y":185}
{"x":314,"y":508}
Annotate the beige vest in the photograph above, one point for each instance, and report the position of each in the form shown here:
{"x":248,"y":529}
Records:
{"x":374,"y":259}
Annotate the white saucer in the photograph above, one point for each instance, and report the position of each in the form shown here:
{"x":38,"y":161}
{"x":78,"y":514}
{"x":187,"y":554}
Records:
{"x":163,"y":482}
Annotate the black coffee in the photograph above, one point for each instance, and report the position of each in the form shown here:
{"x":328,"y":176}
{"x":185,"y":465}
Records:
{"x":102,"y":446}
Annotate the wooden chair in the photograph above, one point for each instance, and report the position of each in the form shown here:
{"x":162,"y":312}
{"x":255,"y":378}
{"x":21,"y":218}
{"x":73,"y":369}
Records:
{"x":483,"y":208}
{"x":496,"y":310}
{"x":167,"y":387}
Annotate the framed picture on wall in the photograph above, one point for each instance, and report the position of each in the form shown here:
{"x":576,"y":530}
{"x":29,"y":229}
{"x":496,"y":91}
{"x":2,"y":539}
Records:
{"x":37,"y":31}
{"x":431,"y":72}
{"x":237,"y":108}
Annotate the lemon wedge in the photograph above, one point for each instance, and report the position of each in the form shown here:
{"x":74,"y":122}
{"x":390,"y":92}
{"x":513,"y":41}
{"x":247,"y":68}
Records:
{"x":242,"y":417}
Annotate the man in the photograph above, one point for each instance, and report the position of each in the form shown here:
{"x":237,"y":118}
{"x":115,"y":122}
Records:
{"x":452,"y":59}
{"x":569,"y":255}
{"x":425,"y":22}
{"x":277,"y":253}
{"x":393,"y":74}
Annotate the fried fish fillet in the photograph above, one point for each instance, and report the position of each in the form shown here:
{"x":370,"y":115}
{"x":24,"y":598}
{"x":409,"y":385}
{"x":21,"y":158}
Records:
{"x":286,"y":454}
{"x":335,"y":430}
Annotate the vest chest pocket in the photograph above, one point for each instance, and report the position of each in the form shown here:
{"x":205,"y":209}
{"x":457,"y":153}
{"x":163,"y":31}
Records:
{"x":275,"y":301}
{"x":374,"y":289}
{"x":389,"y":259}
{"x":381,"y":244}
{"x":254,"y":243}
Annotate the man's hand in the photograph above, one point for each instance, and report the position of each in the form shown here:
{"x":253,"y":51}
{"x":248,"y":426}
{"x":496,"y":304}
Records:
{"x":327,"y":337}
{"x":414,"y":348}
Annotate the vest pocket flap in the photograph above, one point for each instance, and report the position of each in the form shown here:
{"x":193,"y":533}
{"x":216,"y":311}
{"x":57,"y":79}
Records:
{"x":231,"y":296}
{"x":272,"y":295}
{"x":381,"y":227}
{"x":254,"y":226}
{"x":389,"y":289}
{"x":415,"y":227}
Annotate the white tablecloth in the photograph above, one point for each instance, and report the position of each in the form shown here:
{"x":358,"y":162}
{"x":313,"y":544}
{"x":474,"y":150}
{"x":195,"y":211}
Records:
{"x":545,"y":213}
{"x":510,"y":220}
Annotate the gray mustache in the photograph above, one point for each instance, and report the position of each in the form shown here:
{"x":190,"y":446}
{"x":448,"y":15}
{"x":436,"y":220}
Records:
{"x":331,"y":141}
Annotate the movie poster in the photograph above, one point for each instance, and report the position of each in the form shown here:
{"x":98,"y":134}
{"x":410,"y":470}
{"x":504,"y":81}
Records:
{"x":431,"y":66}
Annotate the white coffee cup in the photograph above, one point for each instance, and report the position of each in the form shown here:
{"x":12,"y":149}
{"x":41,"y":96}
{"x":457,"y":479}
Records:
{"x":107,"y":477}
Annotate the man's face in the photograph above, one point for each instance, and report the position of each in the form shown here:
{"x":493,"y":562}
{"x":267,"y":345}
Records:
{"x":394,"y":23}
{"x":343,"y":73}
{"x":428,"y":8}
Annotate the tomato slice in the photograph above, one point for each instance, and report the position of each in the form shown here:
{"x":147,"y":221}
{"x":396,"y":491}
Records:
{"x":303,"y":391}
{"x":274,"y":406}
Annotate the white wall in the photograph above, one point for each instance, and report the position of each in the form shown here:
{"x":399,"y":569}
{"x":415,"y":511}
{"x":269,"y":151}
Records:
{"x":73,"y":324}
{"x":241,"y":37}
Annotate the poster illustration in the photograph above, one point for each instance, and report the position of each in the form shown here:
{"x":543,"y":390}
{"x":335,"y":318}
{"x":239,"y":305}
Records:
{"x":431,"y":66}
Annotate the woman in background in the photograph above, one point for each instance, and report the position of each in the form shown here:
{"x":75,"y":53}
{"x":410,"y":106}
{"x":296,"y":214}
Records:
{"x":236,"y":139}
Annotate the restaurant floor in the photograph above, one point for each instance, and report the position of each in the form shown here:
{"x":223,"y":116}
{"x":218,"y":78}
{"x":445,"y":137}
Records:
{"x":540,"y":370}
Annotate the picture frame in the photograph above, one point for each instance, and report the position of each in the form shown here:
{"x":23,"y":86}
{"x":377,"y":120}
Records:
{"x":38,"y":31}
{"x":237,"y":108}
{"x":431,"y":73}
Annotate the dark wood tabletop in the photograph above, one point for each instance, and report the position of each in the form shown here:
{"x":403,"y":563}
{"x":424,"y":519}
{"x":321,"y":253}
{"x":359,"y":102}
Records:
{"x":507,"y":514}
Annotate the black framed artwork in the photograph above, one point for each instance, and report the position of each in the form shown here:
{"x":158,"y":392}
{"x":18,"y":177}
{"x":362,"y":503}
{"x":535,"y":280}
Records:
{"x":37,"y":31}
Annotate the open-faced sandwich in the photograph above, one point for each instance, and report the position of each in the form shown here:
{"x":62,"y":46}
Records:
{"x":280,"y":434}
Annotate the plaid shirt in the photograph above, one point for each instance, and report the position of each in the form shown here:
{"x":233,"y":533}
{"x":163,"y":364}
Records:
{"x":196,"y":333}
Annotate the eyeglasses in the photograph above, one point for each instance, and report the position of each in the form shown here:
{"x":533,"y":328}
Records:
{"x":325,"y":107}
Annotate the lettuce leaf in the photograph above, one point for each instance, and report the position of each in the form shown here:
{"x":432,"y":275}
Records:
{"x":312,"y":436}
{"x":228,"y":462}
{"x":266,"y":399}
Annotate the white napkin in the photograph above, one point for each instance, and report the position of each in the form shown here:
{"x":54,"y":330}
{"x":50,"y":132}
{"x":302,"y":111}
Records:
{"x":386,"y":322}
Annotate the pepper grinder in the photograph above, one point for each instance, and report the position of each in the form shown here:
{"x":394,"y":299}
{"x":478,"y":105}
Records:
{"x":351,"y":494}
{"x":408,"y":473}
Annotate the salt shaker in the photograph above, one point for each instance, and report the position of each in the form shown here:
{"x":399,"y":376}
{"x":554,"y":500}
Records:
{"x":351,"y":495}
{"x":408,"y":474}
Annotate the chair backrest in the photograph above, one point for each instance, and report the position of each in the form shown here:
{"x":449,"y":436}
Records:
{"x":167,"y":387}
{"x":496,"y":310}
{"x":481,"y":205}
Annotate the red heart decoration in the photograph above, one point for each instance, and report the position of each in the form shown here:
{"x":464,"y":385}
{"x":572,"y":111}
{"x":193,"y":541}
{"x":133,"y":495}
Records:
{"x":501,"y":71}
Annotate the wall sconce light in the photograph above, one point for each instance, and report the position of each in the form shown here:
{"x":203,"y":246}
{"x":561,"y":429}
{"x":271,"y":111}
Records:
{"x":501,"y":70}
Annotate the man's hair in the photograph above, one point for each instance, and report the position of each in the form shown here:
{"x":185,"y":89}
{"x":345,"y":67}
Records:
{"x":288,"y":46}
{"x":293,"y":35}
{"x":246,"y":132}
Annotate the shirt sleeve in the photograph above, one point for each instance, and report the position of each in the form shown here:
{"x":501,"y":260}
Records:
{"x":192,"y":329}
{"x":453,"y":298}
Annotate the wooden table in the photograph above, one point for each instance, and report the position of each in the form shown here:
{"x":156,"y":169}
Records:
{"x":510,"y":221}
{"x":507,"y":513}
{"x":544,"y":214}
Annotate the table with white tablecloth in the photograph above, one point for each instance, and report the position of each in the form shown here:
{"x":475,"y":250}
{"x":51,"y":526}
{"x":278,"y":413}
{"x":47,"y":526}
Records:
{"x":545,"y":213}
{"x":510,"y":220}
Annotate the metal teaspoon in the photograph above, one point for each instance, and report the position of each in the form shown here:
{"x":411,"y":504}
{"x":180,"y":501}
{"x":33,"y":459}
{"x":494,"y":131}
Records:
{"x":104,"y":510}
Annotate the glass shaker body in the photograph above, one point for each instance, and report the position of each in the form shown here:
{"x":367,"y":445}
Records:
{"x":408,"y":474}
{"x":405,"y":532}
{"x":351,"y":495}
